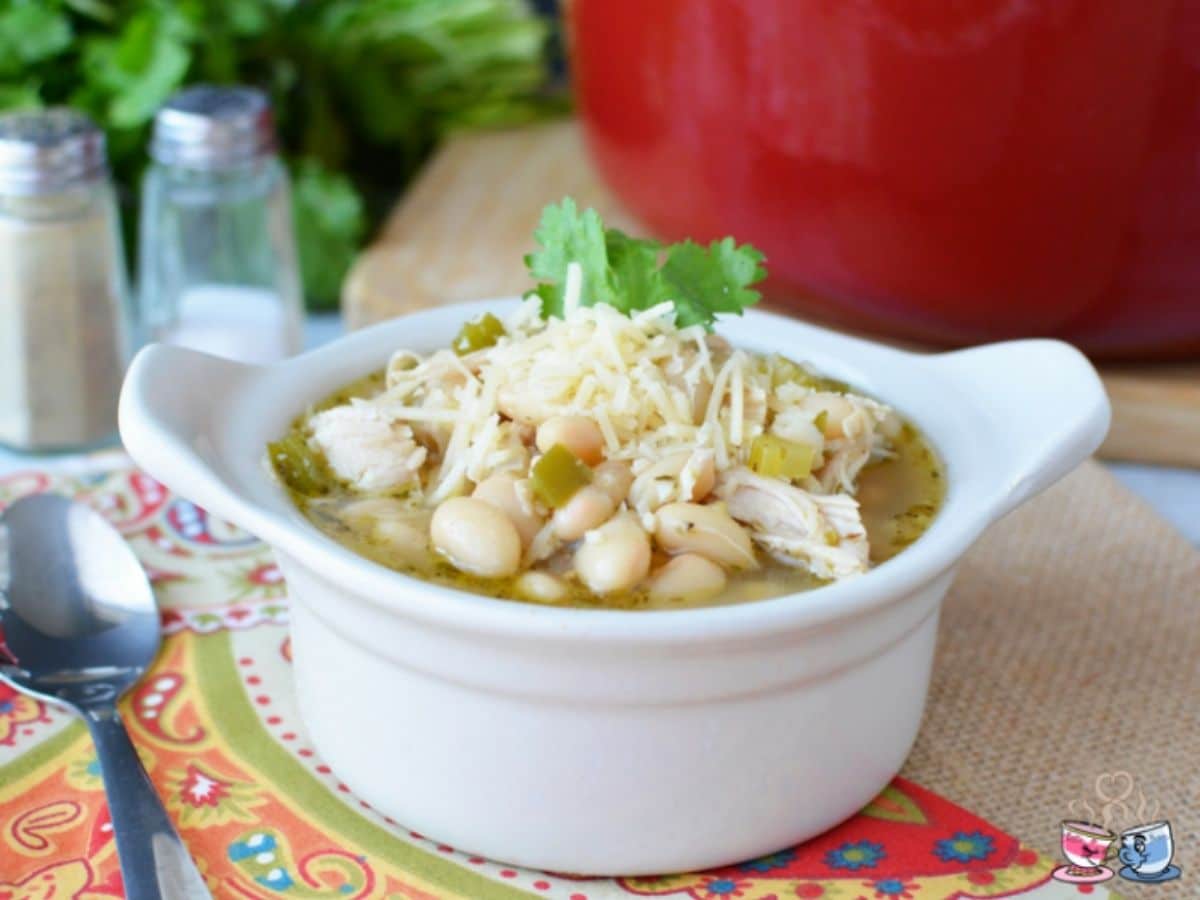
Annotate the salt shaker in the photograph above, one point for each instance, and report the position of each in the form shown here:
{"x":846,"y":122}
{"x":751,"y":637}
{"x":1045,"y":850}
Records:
{"x":65,"y":318}
{"x":217,"y":256}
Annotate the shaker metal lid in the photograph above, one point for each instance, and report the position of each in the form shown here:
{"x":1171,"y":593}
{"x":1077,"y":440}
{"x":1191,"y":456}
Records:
{"x":46,"y":150}
{"x":211,"y":126}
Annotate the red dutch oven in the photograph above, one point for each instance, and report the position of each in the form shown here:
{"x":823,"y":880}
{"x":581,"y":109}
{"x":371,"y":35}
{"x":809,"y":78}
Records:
{"x":946,"y":170}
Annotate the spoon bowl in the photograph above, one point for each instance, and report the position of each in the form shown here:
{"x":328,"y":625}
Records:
{"x":80,"y":623}
{"x":79,"y":627}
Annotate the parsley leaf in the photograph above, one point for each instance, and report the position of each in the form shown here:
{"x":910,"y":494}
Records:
{"x":625,"y":272}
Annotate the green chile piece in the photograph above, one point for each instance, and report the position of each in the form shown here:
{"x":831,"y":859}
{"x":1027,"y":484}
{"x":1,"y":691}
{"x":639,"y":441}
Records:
{"x":558,"y":475}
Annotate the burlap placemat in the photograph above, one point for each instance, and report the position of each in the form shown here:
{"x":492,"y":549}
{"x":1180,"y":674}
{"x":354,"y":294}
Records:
{"x":1070,"y":648}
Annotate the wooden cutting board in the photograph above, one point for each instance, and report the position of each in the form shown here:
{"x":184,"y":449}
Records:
{"x":463,"y":227}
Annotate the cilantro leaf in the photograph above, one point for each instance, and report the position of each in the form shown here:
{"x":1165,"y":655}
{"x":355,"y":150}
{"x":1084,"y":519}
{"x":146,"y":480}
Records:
{"x":704,"y":281}
{"x":139,"y":67}
{"x":30,"y":33}
{"x":364,"y":87}
{"x":567,"y":236}
{"x":634,"y":271}
{"x":625,"y":272}
{"x":19,"y":96}
{"x":551,"y":298}
{"x":329,"y":222}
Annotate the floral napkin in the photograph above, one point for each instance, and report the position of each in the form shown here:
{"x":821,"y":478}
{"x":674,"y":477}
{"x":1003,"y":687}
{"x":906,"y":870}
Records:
{"x":217,"y":727}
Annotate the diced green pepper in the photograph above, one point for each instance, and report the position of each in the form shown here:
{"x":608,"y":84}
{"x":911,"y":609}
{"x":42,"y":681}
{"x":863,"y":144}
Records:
{"x":299,"y":467}
{"x":774,"y":457}
{"x":558,"y":475}
{"x":477,"y":334}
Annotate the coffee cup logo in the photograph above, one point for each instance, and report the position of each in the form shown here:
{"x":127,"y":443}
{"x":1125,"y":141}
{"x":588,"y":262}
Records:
{"x":1145,"y":851}
{"x":1086,"y":846}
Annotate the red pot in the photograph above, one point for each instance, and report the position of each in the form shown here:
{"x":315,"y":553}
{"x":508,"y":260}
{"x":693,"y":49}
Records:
{"x":947,"y":170}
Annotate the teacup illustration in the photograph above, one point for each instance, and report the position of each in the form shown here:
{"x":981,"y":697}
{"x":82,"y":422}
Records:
{"x":1086,"y":846}
{"x":1147,"y":851}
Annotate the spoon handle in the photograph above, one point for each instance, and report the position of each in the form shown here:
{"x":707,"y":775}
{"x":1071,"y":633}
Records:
{"x":155,"y":864}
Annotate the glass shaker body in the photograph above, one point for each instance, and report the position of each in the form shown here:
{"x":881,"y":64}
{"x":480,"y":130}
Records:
{"x":217,"y":265}
{"x":65,"y":315}
{"x":217,"y":260}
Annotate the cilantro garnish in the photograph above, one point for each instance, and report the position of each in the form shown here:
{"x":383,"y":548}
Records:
{"x":633,"y":274}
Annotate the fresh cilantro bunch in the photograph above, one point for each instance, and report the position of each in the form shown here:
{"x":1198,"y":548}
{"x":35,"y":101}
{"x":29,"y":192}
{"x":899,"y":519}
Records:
{"x":362,"y":88}
{"x":633,"y":274}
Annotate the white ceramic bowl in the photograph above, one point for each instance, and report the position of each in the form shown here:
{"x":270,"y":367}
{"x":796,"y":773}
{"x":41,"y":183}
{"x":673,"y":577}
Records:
{"x":608,"y":742}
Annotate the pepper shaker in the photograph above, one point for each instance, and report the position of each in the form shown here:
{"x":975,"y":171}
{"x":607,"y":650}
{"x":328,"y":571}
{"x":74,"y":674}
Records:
{"x":65,"y":319}
{"x":217,"y":264}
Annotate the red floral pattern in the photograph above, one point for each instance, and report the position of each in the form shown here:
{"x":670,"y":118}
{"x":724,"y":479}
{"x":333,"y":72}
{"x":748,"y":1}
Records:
{"x":17,"y":713}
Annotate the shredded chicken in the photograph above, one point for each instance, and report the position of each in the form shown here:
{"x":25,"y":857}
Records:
{"x":367,"y":447}
{"x":820,"y":532}
{"x":854,"y":430}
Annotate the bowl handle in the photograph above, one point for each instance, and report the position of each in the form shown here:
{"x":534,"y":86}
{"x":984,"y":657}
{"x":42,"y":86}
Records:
{"x":1047,"y":406}
{"x":172,"y":403}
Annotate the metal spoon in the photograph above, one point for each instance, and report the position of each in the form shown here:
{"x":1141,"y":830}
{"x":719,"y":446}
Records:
{"x":80,"y":624}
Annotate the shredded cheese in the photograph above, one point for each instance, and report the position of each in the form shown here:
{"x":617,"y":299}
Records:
{"x":655,"y":392}
{"x":572,"y":288}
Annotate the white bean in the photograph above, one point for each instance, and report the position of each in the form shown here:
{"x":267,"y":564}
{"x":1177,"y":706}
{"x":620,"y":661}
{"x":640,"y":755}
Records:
{"x":476,"y":537}
{"x":579,"y":434}
{"x":614,"y":478}
{"x":615,"y":556}
{"x":589,"y":508}
{"x":540,"y":587}
{"x":393,"y":523}
{"x":707,"y":530}
{"x":511,"y":496}
{"x":405,"y":537}
{"x":687,"y":577}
